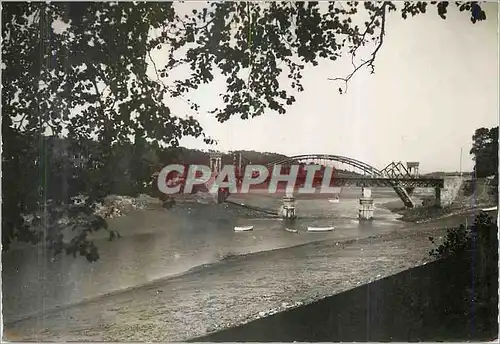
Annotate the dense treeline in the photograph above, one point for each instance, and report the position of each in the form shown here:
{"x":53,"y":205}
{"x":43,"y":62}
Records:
{"x":485,"y":154}
{"x":74,"y":166}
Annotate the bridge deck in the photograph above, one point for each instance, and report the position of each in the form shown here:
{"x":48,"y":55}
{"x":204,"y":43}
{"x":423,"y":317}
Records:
{"x":387,"y":182}
{"x":377,"y":182}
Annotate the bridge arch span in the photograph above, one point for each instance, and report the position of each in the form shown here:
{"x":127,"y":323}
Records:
{"x":368,"y":169}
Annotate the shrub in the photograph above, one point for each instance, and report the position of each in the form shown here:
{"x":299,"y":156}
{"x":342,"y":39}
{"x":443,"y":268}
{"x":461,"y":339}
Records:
{"x":481,"y":236}
{"x":477,"y":251}
{"x":457,"y":241}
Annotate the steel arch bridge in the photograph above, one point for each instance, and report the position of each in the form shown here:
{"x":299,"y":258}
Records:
{"x":366,"y":168}
{"x":394,"y":175}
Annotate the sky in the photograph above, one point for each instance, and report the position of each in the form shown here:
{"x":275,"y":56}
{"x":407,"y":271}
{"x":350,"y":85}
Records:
{"x":435,"y":82}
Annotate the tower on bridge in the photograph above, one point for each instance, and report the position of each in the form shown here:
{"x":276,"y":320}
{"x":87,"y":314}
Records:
{"x":215,"y":161}
{"x":413,"y":168}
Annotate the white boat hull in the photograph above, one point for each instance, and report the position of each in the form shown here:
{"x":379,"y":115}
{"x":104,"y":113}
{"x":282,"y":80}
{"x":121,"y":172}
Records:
{"x":490,"y":209}
{"x":334,"y":200}
{"x":320,"y":229}
{"x":291,"y":230}
{"x":243,"y":229}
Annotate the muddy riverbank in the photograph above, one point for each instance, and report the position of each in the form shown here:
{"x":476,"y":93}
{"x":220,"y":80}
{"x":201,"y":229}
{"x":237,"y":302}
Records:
{"x":426,"y":303}
{"x":236,"y":290}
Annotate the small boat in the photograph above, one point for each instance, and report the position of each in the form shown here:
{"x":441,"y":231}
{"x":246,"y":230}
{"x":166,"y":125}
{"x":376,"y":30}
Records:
{"x":335,"y":199}
{"x":291,"y":230}
{"x":243,"y":229}
{"x":490,"y":209}
{"x":320,"y":229}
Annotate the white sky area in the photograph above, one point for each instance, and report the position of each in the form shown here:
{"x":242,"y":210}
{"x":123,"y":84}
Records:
{"x":435,"y":82}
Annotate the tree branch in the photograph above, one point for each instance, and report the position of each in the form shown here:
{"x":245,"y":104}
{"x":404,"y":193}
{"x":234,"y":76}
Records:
{"x":370,"y":62}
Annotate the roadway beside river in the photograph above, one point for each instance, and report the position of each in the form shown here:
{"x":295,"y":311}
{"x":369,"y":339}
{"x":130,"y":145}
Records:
{"x":237,"y":289}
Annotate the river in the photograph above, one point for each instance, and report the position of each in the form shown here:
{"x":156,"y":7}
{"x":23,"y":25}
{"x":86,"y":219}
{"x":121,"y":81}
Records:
{"x":159,"y":243}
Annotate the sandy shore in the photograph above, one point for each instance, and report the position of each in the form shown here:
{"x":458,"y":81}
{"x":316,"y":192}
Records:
{"x":234,"y":291}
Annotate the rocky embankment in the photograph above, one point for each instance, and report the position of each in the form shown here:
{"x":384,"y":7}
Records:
{"x":197,"y":205}
{"x":115,"y":206}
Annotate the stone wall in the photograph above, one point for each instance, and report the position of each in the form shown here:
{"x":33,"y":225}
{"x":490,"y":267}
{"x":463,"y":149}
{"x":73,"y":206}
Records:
{"x":452,"y":187}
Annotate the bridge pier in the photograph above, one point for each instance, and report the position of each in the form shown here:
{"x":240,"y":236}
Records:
{"x":437,"y":190}
{"x":216,"y":167}
{"x":288,"y":211}
{"x":402,"y":178}
{"x":366,"y":205}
